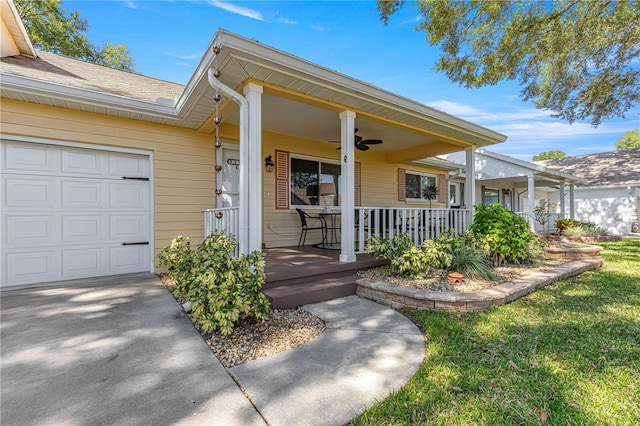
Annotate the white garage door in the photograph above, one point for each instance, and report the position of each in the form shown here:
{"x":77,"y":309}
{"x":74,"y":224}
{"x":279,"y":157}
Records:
{"x":71,"y":212}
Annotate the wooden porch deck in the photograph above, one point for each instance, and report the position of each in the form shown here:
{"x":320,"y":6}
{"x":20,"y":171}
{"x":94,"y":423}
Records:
{"x":307,"y":275}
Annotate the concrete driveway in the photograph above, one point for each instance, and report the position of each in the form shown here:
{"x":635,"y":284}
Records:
{"x":118,"y":351}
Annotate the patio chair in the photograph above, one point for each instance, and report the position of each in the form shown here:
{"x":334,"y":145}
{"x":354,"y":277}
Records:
{"x":320,"y":224}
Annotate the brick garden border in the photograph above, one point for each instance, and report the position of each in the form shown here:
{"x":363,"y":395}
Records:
{"x":399,"y":296}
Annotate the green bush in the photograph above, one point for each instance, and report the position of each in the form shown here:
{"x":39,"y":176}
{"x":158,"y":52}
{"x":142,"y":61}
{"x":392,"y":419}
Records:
{"x":178,"y":259}
{"x":465,"y":253}
{"x":222,"y":290}
{"x":562,"y":225}
{"x":471,"y":262}
{"x":438,"y":251}
{"x":508,"y":235}
{"x":584,"y":229}
{"x":406,"y":259}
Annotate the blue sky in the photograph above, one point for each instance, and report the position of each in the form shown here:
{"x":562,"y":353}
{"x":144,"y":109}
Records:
{"x":168,"y":38}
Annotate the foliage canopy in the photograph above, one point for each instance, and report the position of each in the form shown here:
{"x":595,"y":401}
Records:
{"x":629,"y":140}
{"x":575,"y":58}
{"x":52,"y":28}
{"x":550,"y":155}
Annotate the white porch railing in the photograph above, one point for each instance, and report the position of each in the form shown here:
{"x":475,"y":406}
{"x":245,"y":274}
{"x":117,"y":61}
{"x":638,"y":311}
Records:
{"x":225,"y":220}
{"x":548,"y":226}
{"x":420,"y":224}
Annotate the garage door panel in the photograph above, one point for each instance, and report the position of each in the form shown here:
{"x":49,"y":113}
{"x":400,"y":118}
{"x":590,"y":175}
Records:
{"x":124,"y":259}
{"x":82,"y":194}
{"x":32,"y":157}
{"x":24,"y":230}
{"x":128,"y":228}
{"x":81,"y":228}
{"x":32,"y":266}
{"x":85,"y":262}
{"x":83,"y":162}
{"x":121,"y":165}
{"x":129,"y":195}
{"x":66,"y":211}
{"x":30,"y":192}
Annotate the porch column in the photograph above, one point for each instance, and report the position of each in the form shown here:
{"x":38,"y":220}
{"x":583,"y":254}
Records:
{"x":531,"y":198}
{"x":470,"y":183}
{"x":562,"y":203}
{"x":347,"y":186}
{"x":572,"y":202}
{"x":253,"y":94}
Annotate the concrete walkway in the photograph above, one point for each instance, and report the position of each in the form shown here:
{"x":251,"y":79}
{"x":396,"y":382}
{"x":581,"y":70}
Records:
{"x":366,"y":352}
{"x":123,"y":352}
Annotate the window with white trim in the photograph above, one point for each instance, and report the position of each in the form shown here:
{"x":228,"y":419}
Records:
{"x":490,"y":196}
{"x":309,"y":177}
{"x":421,"y":186}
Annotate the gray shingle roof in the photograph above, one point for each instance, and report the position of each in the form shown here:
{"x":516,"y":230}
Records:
{"x":75,"y":73}
{"x":608,"y":168}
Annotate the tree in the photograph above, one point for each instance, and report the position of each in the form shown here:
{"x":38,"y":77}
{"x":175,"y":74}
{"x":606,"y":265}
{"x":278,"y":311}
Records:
{"x":629,"y":140}
{"x":550,"y":155}
{"x":577,"y":58}
{"x":53,"y":29}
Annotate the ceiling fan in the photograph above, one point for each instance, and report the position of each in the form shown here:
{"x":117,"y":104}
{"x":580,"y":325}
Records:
{"x":361,"y":143}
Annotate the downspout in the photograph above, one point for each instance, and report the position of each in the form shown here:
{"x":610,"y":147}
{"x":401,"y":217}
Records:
{"x":243,"y":238}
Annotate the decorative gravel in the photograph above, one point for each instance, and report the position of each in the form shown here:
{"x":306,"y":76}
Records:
{"x":283,"y":330}
{"x":438,"y":279}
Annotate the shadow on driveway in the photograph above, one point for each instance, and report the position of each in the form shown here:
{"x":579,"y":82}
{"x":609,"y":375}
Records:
{"x":117,"y":352}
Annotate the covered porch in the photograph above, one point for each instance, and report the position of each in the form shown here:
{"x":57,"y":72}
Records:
{"x":298,"y":127}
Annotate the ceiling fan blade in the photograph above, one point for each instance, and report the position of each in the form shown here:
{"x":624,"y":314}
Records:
{"x":371,"y":141}
{"x":362,"y":147}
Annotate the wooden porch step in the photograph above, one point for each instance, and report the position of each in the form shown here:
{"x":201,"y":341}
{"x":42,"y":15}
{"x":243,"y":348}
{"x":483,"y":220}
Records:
{"x":288,"y":295}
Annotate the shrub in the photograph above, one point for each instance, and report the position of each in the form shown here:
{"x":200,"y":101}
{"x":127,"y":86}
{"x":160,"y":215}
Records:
{"x":507,"y":234}
{"x":406,"y":259}
{"x":411,"y":263}
{"x":471,"y":262}
{"x":178,"y":259}
{"x":584,"y":229}
{"x":562,"y":225}
{"x":222,"y":290}
{"x":438,"y":250}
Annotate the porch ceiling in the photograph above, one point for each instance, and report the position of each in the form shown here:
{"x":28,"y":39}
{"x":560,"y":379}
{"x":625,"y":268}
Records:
{"x":280,"y":115}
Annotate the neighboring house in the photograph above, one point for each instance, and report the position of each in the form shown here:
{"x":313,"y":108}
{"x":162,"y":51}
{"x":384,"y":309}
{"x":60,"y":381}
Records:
{"x":518,"y":185}
{"x":609,"y":196}
{"x":101,"y":168}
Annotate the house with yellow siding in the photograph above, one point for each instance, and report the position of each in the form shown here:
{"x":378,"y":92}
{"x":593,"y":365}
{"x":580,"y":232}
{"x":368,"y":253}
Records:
{"x":102,"y":168}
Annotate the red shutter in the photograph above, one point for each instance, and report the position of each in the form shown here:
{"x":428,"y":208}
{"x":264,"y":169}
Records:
{"x":442,"y":189}
{"x":357,"y":184}
{"x":402,"y":181}
{"x":282,"y":180}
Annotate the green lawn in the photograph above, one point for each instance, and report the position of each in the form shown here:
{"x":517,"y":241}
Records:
{"x":568,"y":354}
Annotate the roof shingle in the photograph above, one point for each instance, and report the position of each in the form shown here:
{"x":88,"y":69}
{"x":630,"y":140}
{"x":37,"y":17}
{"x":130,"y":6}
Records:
{"x":76,"y":73}
{"x":620,"y":167}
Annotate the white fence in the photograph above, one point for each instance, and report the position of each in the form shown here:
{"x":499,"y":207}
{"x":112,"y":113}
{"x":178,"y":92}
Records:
{"x":386,"y":222}
{"x":420,"y":224}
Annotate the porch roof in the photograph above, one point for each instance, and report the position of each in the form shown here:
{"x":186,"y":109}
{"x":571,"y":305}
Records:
{"x":300,"y":98}
{"x":497,"y":168}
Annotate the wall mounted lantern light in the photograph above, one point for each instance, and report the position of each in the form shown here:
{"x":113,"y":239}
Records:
{"x":268,"y":164}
